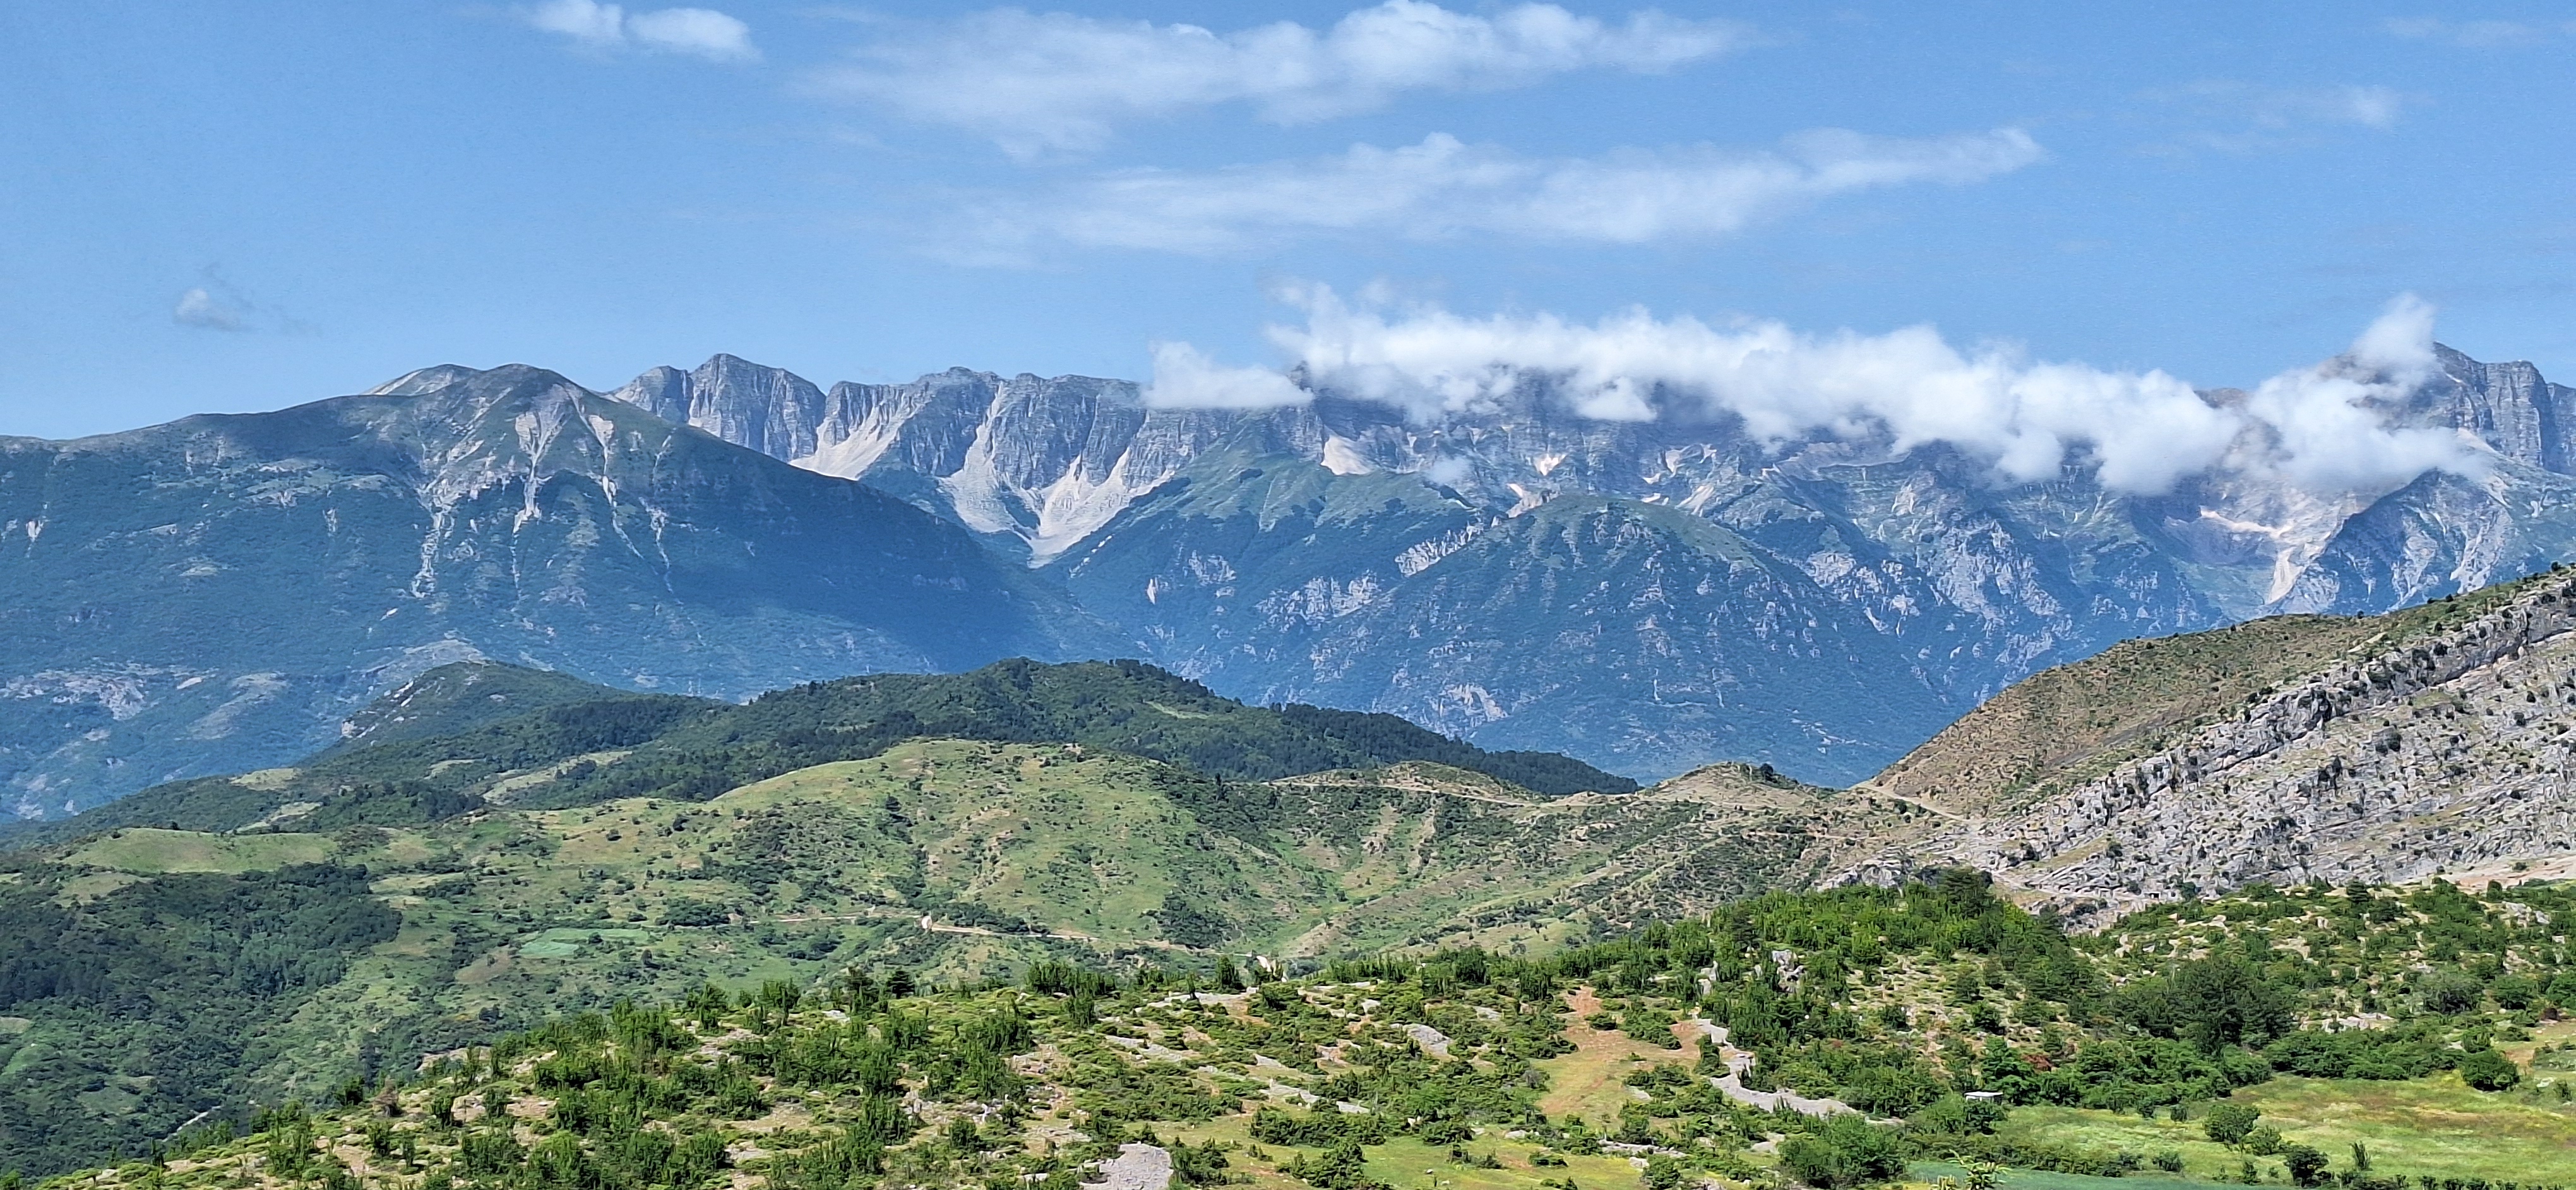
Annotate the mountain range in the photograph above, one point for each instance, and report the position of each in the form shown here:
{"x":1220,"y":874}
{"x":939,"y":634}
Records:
{"x":1648,"y":595}
{"x":218,"y":594}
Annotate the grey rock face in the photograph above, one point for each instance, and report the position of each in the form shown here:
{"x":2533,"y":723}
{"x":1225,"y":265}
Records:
{"x":2444,"y":752}
{"x":2509,"y":406}
{"x":1034,"y":464}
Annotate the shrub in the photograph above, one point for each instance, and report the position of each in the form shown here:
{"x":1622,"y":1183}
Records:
{"x":2307,"y":1165}
{"x":1846,"y":1151}
{"x":1201,"y":1166}
{"x":2215,"y":1002}
{"x":691,"y":911}
{"x":2449,"y":992}
{"x":488,"y":1151}
{"x":1339,"y":1167}
{"x":2227,"y":1123}
{"x":2488,"y":1070}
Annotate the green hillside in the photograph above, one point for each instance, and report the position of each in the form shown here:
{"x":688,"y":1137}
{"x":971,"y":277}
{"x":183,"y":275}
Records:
{"x":308,"y":934}
{"x":1931,"y":1027}
{"x":508,"y":874}
{"x":1124,"y":705}
{"x":957,"y":859}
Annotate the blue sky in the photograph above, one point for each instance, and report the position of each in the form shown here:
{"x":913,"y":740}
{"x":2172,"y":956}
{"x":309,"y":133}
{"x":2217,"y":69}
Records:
{"x":249,"y":205}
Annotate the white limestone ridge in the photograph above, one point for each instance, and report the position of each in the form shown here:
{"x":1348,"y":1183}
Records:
{"x":1043,"y":461}
{"x":1047,"y":462}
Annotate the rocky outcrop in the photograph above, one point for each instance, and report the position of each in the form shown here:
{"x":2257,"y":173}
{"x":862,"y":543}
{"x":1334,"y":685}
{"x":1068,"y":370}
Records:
{"x":2509,"y":406}
{"x":2435,"y":746}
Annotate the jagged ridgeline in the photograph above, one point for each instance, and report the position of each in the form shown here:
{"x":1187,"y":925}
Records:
{"x":219,"y":593}
{"x":1831,"y":1039}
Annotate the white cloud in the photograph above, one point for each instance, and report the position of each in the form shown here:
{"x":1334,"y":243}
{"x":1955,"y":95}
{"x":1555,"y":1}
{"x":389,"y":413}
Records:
{"x":2323,"y":424}
{"x":216,"y":304}
{"x":699,"y":32}
{"x":1184,"y":378}
{"x":1040,"y":82}
{"x":200,"y":308}
{"x":2319,"y":428}
{"x":2399,"y":343}
{"x":1443,"y":188}
{"x":2245,"y":117}
{"x":2476,"y":35}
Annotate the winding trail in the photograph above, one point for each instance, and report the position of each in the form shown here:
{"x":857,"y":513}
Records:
{"x":1731,"y":1084}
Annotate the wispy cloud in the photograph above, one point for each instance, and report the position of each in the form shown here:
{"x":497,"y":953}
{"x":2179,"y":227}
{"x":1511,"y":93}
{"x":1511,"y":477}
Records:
{"x":200,"y":308}
{"x":698,"y":32}
{"x":216,"y":304}
{"x":2241,"y":117}
{"x":2319,"y":427}
{"x":1185,"y":378}
{"x":1049,"y":82}
{"x":2480,"y":34}
{"x":1445,"y":188}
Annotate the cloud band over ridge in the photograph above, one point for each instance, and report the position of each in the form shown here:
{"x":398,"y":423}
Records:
{"x":2321,"y":428}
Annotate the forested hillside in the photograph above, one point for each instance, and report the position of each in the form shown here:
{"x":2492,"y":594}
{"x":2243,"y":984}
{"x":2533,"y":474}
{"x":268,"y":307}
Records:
{"x":242,"y":943}
{"x":583,"y":744}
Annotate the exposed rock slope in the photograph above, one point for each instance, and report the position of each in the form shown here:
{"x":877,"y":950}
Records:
{"x":2380,"y":749}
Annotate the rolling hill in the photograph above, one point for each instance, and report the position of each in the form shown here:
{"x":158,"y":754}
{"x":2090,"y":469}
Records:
{"x":407,"y":891}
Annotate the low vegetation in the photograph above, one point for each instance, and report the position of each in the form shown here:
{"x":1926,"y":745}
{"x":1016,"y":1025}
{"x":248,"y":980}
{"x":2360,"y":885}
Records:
{"x":1838,"y":1038}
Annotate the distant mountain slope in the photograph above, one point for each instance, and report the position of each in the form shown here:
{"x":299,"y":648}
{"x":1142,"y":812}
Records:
{"x":1600,"y":628}
{"x":220,"y":593}
{"x":1296,"y":563}
{"x":1035,"y":464}
{"x":2435,"y":739}
{"x":459,"y":697}
{"x":216,"y":593}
